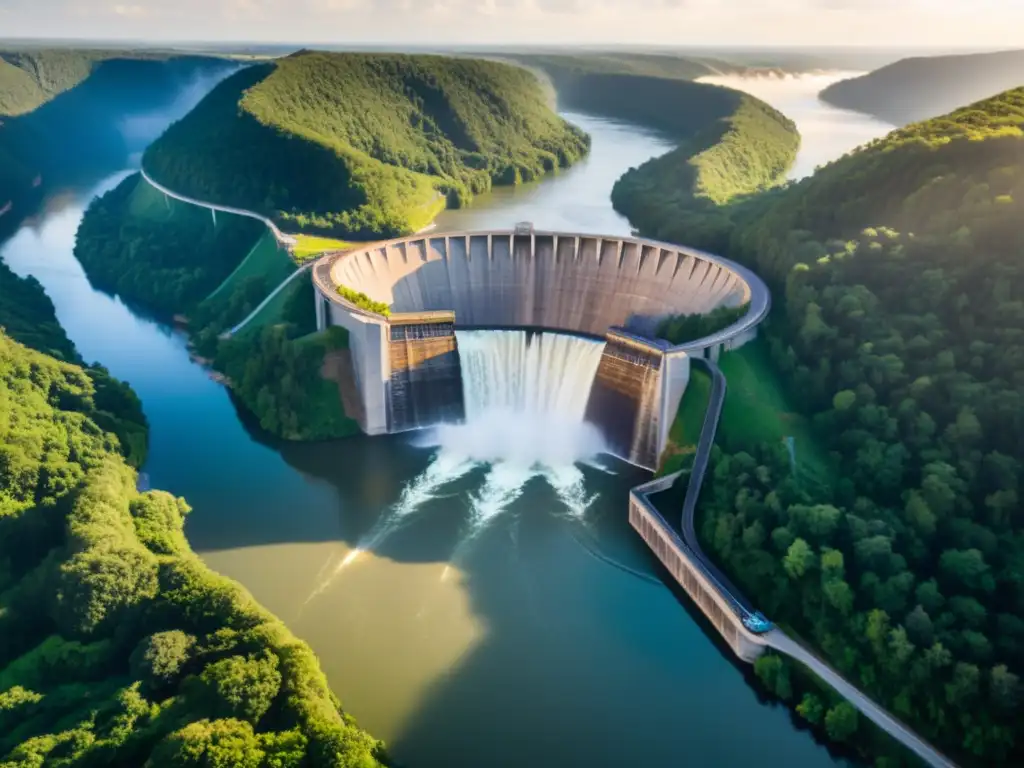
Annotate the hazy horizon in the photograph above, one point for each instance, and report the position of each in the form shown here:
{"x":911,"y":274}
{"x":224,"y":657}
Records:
{"x":911,"y":25}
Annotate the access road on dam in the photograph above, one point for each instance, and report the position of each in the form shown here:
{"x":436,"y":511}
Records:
{"x":775,"y":638}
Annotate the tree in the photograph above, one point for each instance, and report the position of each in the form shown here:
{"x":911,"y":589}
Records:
{"x":919,"y":627}
{"x":842,"y":721}
{"x":799,"y":559}
{"x":240,"y":687}
{"x":1004,"y":687}
{"x":209,"y":744}
{"x":99,"y":587}
{"x":811,"y":709}
{"x":773,"y":672}
{"x":160,"y":659}
{"x":966,"y":568}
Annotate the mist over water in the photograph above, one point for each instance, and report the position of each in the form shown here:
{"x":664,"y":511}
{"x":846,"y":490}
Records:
{"x":826,"y":132}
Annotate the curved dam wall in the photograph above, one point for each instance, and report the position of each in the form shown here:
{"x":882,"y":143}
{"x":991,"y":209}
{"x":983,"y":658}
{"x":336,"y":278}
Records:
{"x":575,"y":283}
{"x":406,"y":365}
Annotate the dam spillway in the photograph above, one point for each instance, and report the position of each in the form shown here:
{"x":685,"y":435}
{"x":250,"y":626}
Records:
{"x":407,"y":364}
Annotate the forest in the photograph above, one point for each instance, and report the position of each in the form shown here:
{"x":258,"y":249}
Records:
{"x":117,"y":645}
{"x":165,"y":256}
{"x":42,"y":92}
{"x":898,"y":330}
{"x":170,"y":258}
{"x":363,"y":145}
{"x":735,"y":147}
{"x":731,"y":144}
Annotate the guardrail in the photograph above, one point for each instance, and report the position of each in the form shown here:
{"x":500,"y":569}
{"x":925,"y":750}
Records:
{"x":281,"y":237}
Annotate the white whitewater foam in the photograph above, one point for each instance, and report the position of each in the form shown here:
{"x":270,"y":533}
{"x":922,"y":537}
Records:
{"x":526,"y":397}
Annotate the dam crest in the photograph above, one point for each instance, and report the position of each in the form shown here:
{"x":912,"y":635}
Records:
{"x":405,"y":366}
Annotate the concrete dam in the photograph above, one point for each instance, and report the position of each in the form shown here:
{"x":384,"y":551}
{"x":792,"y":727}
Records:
{"x":406,"y":365}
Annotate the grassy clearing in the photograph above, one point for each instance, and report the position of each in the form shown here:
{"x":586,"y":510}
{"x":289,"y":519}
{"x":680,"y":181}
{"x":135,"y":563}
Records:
{"x":756,"y":410}
{"x":311,"y":246}
{"x":274,"y":311}
{"x":685,"y":432}
{"x":266,"y":259}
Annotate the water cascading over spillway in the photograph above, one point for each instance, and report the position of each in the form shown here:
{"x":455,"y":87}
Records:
{"x":526,"y":395}
{"x":525,"y":400}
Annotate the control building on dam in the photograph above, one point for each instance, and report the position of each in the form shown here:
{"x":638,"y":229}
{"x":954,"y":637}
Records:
{"x":405,"y":366}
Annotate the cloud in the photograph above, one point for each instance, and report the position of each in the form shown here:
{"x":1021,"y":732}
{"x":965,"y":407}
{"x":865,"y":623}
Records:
{"x":591,"y":22}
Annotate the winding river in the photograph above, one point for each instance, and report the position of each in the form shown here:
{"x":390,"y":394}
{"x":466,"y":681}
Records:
{"x":486,"y":626}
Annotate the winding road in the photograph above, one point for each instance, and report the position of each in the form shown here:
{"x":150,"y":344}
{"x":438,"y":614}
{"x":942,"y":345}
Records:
{"x":776,"y":638}
{"x":281,"y":237}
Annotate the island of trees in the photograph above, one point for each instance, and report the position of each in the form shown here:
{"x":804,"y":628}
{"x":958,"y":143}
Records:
{"x":898,"y":333}
{"x":117,"y":645}
{"x":363,"y":145}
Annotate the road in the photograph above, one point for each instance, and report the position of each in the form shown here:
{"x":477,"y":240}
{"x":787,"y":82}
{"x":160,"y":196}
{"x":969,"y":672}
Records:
{"x":284,"y":284}
{"x":776,"y":638}
{"x":281,"y":237}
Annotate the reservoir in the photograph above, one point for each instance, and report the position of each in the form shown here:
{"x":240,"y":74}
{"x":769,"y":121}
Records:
{"x":466,"y":608}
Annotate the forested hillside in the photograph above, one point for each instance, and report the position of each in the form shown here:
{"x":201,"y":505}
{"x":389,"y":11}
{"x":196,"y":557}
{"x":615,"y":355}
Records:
{"x":363,"y":144}
{"x":43,"y":93}
{"x":899,"y":330}
{"x":566,"y":70}
{"x":167,"y":256}
{"x":732,"y":145}
{"x":926,"y":86}
{"x":117,"y":645}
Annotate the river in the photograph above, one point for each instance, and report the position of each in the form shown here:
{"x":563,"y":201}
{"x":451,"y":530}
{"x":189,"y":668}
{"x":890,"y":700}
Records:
{"x":508,"y":642}
{"x":826,"y":132}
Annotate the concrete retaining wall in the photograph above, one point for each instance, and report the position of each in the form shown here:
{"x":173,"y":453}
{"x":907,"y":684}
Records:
{"x":669,"y":550}
{"x":636,"y":394}
{"x":425,"y":386}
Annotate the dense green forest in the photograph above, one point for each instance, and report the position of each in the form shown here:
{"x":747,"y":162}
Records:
{"x":568,"y":70}
{"x":117,"y":645}
{"x":734,"y":145}
{"x":921,"y":87}
{"x":170,"y":258}
{"x":731,"y":144}
{"x":167,"y":256}
{"x":363,"y":145}
{"x":680,"y":329}
{"x":27,"y":316}
{"x":899,"y":330}
{"x":44,"y":92}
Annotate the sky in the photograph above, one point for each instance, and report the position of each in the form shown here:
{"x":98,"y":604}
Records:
{"x":879,"y":23}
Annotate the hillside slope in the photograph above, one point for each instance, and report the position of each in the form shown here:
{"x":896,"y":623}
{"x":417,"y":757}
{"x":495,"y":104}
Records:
{"x":117,"y":645}
{"x":921,"y":87}
{"x":44,"y":93}
{"x":363,"y":144}
{"x":731,"y":145}
{"x":899,"y":331}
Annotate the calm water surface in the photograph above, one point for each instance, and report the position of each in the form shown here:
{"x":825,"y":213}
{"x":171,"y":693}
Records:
{"x":826,"y":132}
{"x":462,"y":638}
